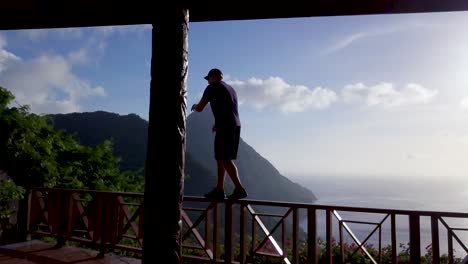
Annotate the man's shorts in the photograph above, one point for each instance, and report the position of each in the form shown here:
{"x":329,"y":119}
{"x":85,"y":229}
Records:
{"x":226,"y":143}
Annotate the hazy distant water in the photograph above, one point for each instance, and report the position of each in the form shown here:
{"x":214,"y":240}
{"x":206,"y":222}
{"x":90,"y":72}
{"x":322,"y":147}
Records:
{"x":408,"y":194}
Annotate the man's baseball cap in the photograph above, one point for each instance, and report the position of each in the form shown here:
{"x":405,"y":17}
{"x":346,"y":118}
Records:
{"x":212,"y":72}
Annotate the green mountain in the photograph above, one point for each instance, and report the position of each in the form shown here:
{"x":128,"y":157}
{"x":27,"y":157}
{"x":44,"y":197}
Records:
{"x":129,"y":135}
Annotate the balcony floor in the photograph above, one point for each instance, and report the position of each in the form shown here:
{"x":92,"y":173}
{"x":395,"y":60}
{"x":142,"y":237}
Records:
{"x":38,"y":252}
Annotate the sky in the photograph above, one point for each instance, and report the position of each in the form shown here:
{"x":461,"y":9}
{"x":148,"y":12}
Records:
{"x":370,"y":96}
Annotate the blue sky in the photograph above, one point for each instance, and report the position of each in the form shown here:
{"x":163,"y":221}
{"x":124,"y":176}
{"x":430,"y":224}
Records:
{"x":373,"y":96}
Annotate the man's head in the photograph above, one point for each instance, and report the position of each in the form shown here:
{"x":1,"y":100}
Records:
{"x":214,"y":75}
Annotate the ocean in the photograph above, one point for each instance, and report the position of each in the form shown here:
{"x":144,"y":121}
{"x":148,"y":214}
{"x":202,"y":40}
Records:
{"x":392,"y":193}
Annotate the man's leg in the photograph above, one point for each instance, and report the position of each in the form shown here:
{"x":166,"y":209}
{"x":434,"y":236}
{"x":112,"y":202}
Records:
{"x":239,"y":192}
{"x":218,"y":192}
{"x":221,"y":172}
{"x":231,"y":169}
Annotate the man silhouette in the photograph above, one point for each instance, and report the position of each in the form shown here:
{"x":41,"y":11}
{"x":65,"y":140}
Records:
{"x":223,"y":100}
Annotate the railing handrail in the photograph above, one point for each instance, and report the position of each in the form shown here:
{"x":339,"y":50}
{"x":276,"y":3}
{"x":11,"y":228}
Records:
{"x":88,"y":191}
{"x":288,"y":204}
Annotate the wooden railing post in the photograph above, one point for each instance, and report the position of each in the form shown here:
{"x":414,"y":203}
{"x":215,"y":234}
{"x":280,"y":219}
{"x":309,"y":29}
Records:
{"x":25,"y":214}
{"x":394,"y":245}
{"x":415,"y":239}
{"x":312,"y":247}
{"x":435,"y":239}
{"x":228,"y":233}
{"x":450,"y":246}
{"x":328,"y":253}
{"x":243,"y":235}
{"x":56,"y":203}
{"x":65,"y":215}
{"x":215,"y":232}
{"x":295,"y":237}
{"x":342,"y":253}
{"x":208,"y":244}
{"x":254,"y":235}
{"x":102,"y":200}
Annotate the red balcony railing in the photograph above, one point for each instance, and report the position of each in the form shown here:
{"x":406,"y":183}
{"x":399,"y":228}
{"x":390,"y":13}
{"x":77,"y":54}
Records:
{"x":243,"y":230}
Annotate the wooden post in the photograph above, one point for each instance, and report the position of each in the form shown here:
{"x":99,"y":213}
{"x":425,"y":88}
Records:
{"x":435,"y":239}
{"x":415,"y":239}
{"x":329,"y":233}
{"x":295,"y":237}
{"x":312,"y":245}
{"x":228,"y":234}
{"x":165,"y":160}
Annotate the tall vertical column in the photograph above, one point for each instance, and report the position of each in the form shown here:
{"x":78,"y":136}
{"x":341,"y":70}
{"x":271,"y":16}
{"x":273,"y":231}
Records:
{"x":165,"y":160}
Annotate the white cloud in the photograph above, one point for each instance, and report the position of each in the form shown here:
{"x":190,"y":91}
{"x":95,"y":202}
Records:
{"x":275,"y":92}
{"x":46,"y":83}
{"x":77,"y":33}
{"x":464,"y":103}
{"x":352,"y":38}
{"x":109,"y":30}
{"x":69,"y":33}
{"x":34,"y":34}
{"x":79,"y":56}
{"x":41,"y":34}
{"x":345,"y":42}
{"x":93,"y":47}
{"x":6,"y":58}
{"x":386,"y":95}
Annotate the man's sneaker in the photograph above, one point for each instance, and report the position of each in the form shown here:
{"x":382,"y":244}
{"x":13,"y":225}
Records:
{"x":215,"y":194}
{"x":238,"y":194}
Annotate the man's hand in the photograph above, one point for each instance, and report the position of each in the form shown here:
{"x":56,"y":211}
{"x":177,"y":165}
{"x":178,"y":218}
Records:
{"x":200,"y":106}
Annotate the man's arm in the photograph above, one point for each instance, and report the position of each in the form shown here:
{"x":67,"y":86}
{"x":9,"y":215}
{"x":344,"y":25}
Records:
{"x":201,"y":105}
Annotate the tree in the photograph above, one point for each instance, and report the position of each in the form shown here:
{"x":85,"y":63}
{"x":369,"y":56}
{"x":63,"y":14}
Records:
{"x":34,"y":154}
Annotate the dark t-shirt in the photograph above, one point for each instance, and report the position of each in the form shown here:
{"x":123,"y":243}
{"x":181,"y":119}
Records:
{"x":223,"y":101}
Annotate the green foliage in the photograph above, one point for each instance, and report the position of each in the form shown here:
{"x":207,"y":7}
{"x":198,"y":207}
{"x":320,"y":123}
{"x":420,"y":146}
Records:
{"x":353,"y":255}
{"x":5,"y":98}
{"x":9,"y":193}
{"x":35,"y":154}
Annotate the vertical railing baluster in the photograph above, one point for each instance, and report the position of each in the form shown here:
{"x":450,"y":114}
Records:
{"x":109,"y":220}
{"x":312,"y":247}
{"x":29,"y":195}
{"x":215,"y":232}
{"x":329,"y":236}
{"x":380,"y":244}
{"x":103,"y":201}
{"x":228,"y":232}
{"x":67,"y":216}
{"x":283,"y":235}
{"x":243,"y":235}
{"x":254,"y":234}
{"x":141,"y":224}
{"x":295,"y":237}
{"x":415,"y":239}
{"x":61,"y":215}
{"x":450,"y":245}
{"x":393,"y":235}
{"x":435,"y":239}
{"x":340,"y":228}
{"x":120,"y":225}
{"x":208,"y":244}
{"x":53,"y":208}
